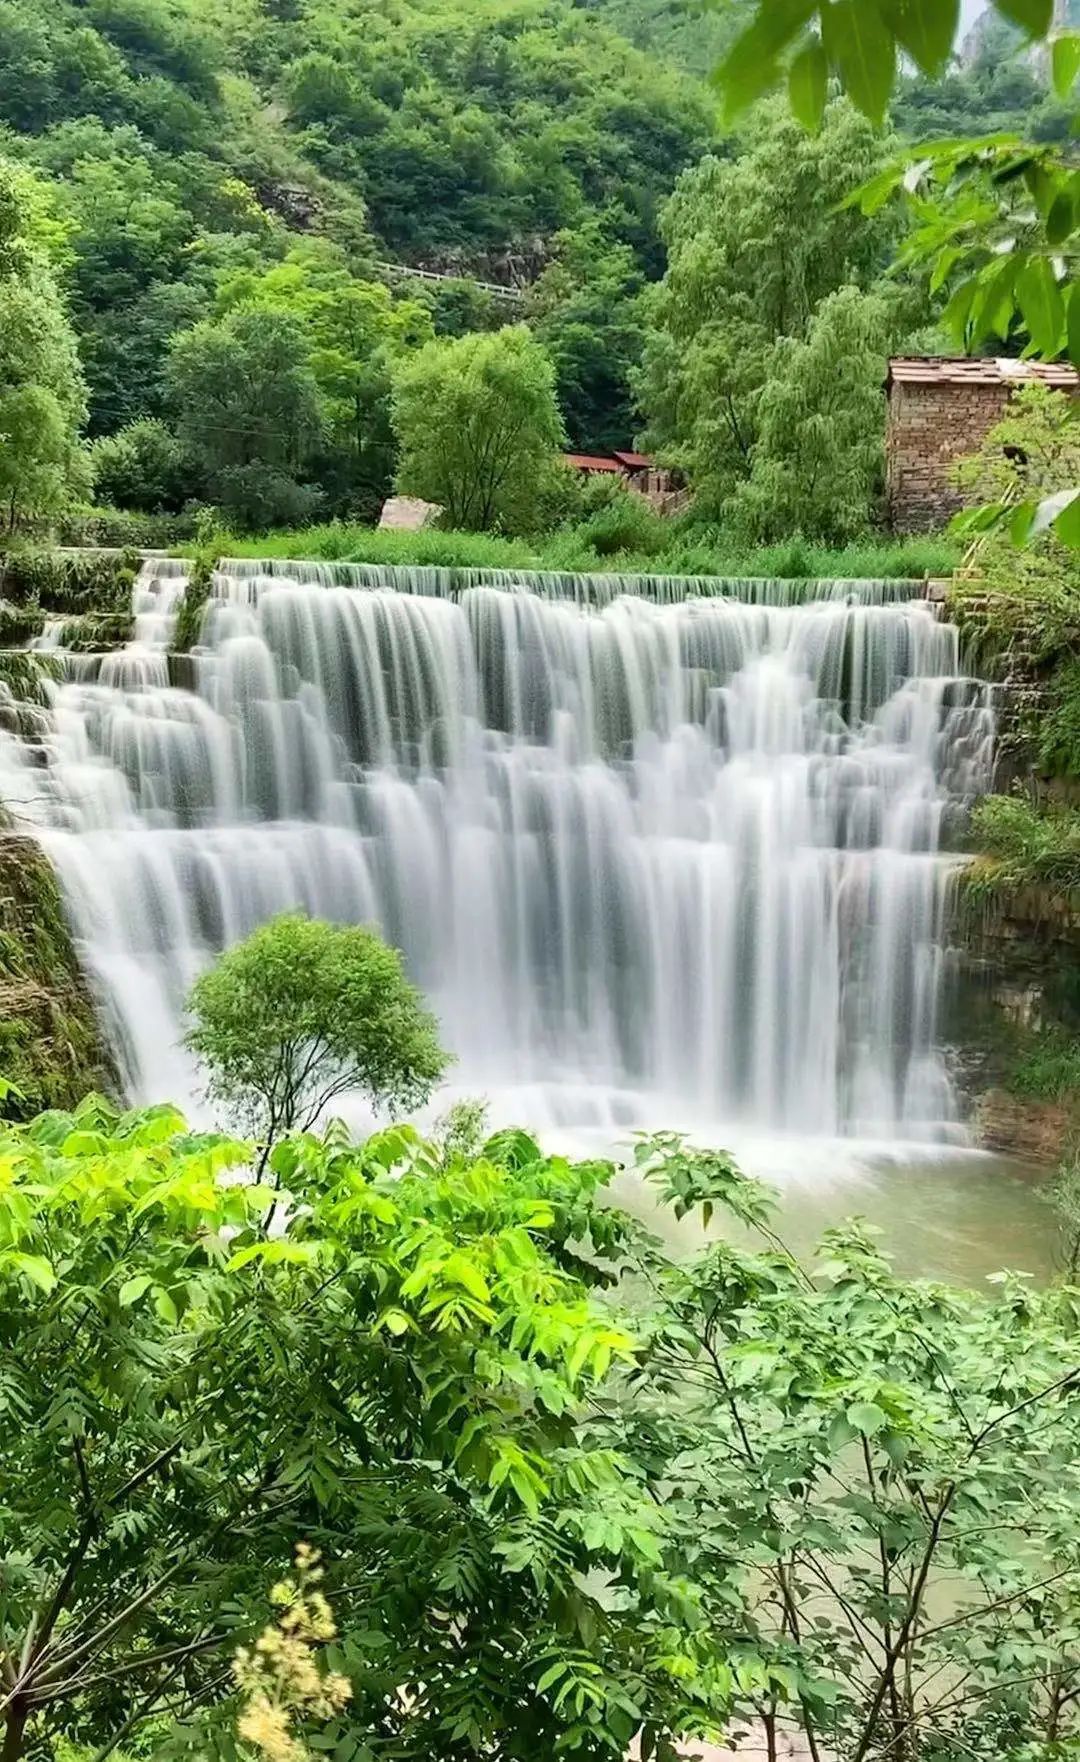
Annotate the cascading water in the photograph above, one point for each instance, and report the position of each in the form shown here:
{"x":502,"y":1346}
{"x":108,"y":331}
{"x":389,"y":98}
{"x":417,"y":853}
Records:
{"x":660,"y":852}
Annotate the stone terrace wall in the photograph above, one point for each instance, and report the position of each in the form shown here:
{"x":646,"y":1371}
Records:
{"x":929,"y":427}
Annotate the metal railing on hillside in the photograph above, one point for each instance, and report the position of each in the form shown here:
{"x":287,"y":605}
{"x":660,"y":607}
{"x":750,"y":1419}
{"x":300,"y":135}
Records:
{"x":486,"y":287}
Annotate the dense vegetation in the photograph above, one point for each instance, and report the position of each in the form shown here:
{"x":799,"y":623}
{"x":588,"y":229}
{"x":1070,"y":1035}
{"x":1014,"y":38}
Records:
{"x":209,"y":192}
{"x":183,"y":144}
{"x":570,"y":1487}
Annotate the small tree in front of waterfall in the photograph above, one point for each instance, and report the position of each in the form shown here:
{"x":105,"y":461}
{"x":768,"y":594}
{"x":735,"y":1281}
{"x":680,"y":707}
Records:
{"x":302,"y":1011}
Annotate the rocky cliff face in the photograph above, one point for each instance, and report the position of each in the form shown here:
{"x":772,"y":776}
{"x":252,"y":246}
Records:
{"x":1014,"y":1016}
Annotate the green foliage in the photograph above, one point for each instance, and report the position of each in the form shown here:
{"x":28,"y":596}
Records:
{"x":19,"y":624}
{"x":354,"y":332}
{"x":197,"y":588}
{"x":1049,"y":1069}
{"x":756,"y":246}
{"x":405,"y":1367}
{"x":143,"y":467}
{"x":479,"y":428}
{"x":247,"y":406}
{"x":859,"y":42}
{"x":817,"y":466}
{"x":838,"y":1443}
{"x":1024,"y":845}
{"x":1021,"y":611}
{"x":995,"y":89}
{"x":589,"y":317}
{"x":59,"y":581}
{"x":95,"y":632}
{"x":1064,"y":1197}
{"x":123,"y":528}
{"x":42,"y":395}
{"x":189,"y":142}
{"x":617,"y":522}
{"x":689,"y":549}
{"x":28,"y":676}
{"x":51,"y":1047}
{"x":1056,"y":734}
{"x":743,"y":1505}
{"x":302,"y":1011}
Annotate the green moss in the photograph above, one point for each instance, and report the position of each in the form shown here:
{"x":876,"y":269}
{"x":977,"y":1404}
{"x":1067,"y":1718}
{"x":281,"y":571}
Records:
{"x":51,"y":1046}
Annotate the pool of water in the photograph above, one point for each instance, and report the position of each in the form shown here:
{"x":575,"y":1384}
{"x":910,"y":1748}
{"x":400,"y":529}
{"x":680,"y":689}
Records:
{"x":945,"y":1213}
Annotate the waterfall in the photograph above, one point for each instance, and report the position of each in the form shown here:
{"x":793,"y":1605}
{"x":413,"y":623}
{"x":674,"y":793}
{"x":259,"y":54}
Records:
{"x":659,"y":851}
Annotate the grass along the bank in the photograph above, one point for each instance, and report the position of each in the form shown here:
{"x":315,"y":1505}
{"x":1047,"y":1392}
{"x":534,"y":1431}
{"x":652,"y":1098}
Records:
{"x":1023,"y":845}
{"x":688,"y":551}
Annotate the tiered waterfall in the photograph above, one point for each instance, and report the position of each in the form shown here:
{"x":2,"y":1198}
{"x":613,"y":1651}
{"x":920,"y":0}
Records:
{"x":659,"y":851}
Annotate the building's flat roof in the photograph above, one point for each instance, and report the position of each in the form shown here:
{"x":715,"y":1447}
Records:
{"x":980,"y":370}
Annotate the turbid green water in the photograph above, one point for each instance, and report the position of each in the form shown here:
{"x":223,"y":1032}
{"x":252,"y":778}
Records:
{"x":956,"y":1215}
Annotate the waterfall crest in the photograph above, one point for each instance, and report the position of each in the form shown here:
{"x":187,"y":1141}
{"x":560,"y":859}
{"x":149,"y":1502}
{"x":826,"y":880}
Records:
{"x":659,"y":850}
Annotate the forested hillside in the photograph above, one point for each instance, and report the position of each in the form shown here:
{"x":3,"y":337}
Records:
{"x":210,"y":194}
{"x":181,"y":140}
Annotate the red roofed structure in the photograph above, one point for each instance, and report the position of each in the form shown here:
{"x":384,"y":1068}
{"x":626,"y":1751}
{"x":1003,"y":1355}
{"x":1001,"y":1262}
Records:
{"x":658,"y":485}
{"x":593,"y":462}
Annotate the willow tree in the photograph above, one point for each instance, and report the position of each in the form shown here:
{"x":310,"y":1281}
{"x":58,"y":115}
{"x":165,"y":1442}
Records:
{"x":755,"y":245}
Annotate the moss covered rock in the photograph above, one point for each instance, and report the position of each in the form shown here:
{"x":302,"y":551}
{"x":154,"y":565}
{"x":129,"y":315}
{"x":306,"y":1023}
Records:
{"x":51,"y":1044}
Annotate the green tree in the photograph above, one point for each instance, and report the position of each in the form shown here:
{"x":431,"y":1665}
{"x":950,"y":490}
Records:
{"x":755,"y":244}
{"x":403,"y":1369}
{"x":479,"y":428}
{"x":248,"y":409}
{"x":300,"y":1012}
{"x":42,"y":393}
{"x":818,"y":462}
{"x":143,"y":466}
{"x":836,"y":1445}
{"x":355,"y":331}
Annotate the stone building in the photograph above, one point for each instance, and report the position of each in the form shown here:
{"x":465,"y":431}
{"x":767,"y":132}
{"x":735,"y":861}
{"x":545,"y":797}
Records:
{"x":939,"y":409}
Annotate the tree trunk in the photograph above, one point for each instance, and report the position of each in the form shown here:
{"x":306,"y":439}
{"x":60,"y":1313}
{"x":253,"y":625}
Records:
{"x":15,"y":1729}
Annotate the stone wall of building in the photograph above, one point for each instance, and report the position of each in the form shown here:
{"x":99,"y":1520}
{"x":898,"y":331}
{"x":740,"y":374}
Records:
{"x":930,"y":426}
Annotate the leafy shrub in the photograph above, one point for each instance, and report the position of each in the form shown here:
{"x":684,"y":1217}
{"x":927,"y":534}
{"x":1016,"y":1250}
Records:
{"x":1057,"y":724}
{"x":124,"y":527}
{"x":63,"y":582}
{"x":144,"y":467}
{"x":255,"y":498}
{"x":1023,"y":845}
{"x":622,"y":523}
